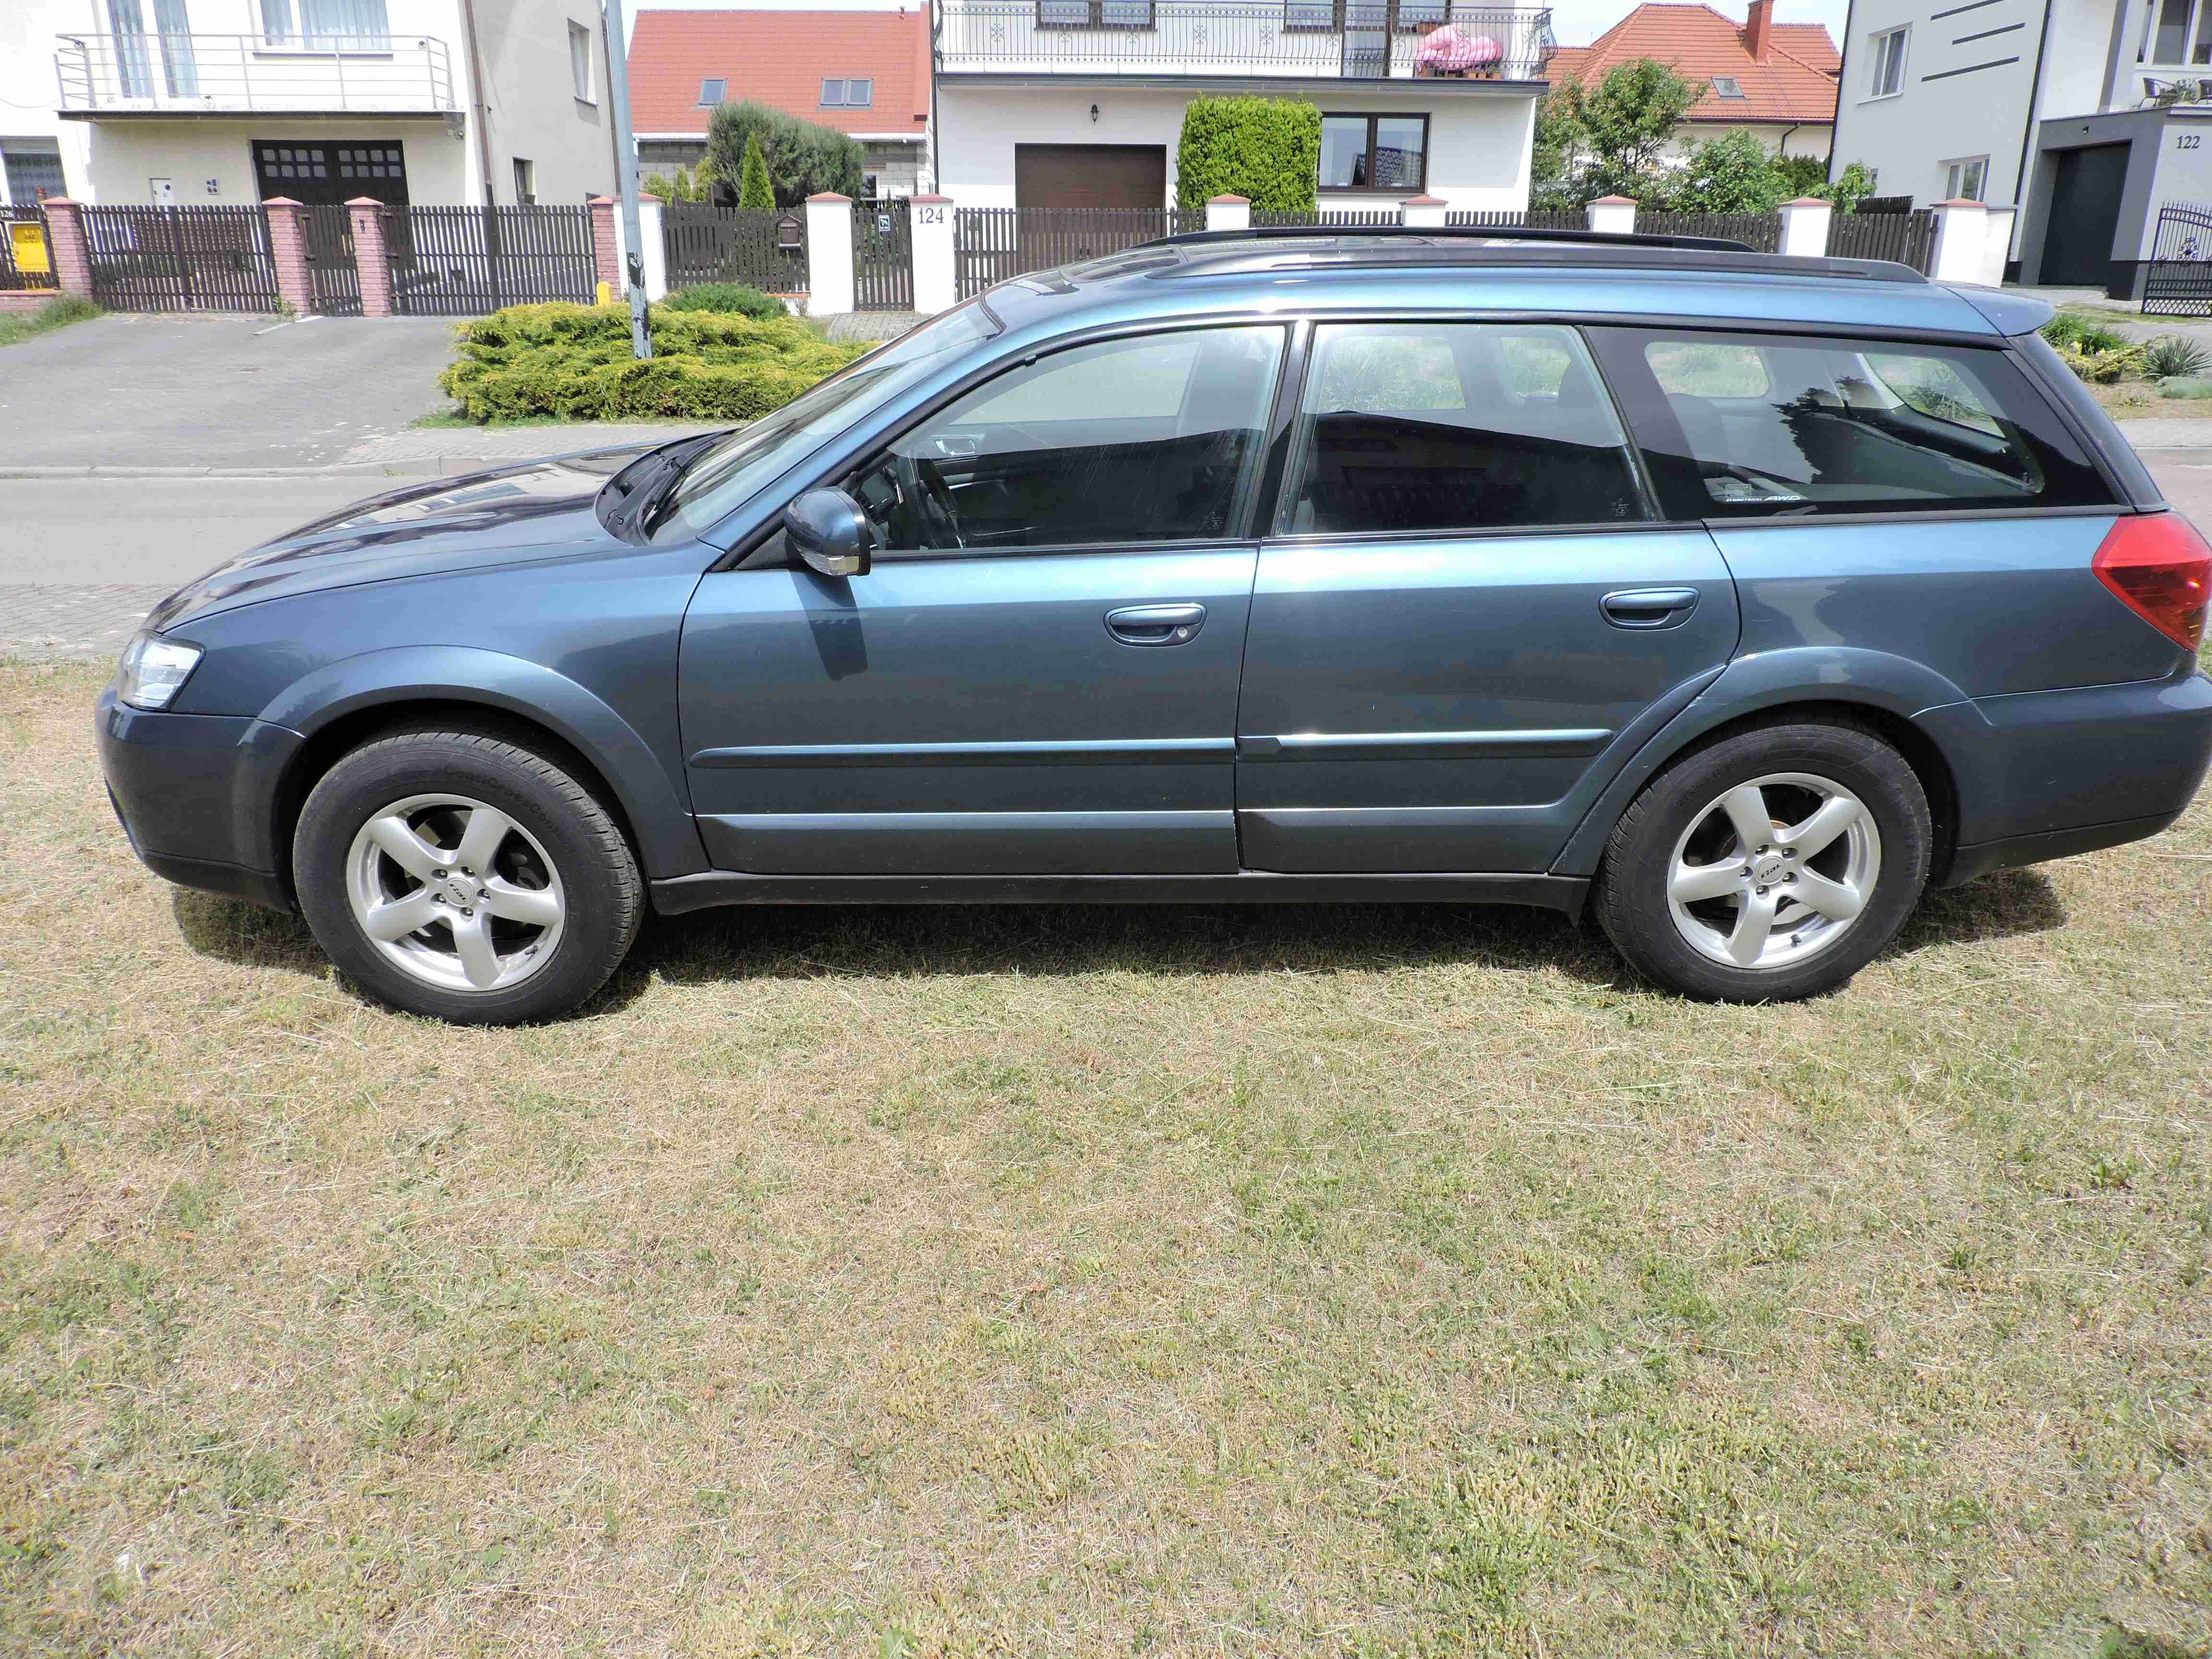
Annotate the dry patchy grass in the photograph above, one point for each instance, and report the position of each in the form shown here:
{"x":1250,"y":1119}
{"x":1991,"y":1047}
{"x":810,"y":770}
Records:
{"x":1307,"y":1281}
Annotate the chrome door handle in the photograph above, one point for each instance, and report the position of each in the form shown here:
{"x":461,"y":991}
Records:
{"x":1649,"y":607}
{"x":1155,"y":624}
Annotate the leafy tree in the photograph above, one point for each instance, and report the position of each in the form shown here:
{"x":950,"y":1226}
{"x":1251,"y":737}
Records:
{"x":1731,"y":174}
{"x":1605,"y":140}
{"x":1852,"y":186}
{"x":754,"y":190}
{"x":1265,"y":150}
{"x":1551,"y":156}
{"x":803,"y":158}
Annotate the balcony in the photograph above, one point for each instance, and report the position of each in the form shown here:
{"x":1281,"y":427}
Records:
{"x":1345,"y":40}
{"x":169,"y":75}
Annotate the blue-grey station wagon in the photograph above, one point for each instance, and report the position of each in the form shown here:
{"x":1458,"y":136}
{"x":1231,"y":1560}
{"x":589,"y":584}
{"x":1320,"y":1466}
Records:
{"x":1734,"y":599}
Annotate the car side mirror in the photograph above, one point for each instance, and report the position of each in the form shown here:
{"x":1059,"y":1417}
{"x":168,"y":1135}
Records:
{"x":828,"y":531}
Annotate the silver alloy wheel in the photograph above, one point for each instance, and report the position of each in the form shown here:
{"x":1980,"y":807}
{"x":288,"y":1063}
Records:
{"x":1774,"y":871}
{"x":455,"y":892}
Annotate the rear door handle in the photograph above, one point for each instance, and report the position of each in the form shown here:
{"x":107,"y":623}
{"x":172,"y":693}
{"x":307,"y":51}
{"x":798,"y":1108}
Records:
{"x":1155,"y":624}
{"x":1649,"y":607}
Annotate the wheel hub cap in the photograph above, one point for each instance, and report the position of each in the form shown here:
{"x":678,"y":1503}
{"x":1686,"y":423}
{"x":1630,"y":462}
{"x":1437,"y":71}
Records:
{"x":1774,"y":871}
{"x":455,"y":893}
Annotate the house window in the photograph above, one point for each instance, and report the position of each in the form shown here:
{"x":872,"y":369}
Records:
{"x":326,"y":25}
{"x":1094,"y":14}
{"x":2167,"y":37}
{"x":526,"y":181}
{"x":711,"y":92}
{"x":847,"y":94}
{"x":1964,"y":180}
{"x":580,"y":62}
{"x":1726,"y":86}
{"x":1374,"y":152}
{"x":1888,"y":64}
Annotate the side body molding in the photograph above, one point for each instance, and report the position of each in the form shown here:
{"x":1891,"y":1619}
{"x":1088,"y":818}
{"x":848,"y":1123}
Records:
{"x":1750,"y":685}
{"x":667,"y":840}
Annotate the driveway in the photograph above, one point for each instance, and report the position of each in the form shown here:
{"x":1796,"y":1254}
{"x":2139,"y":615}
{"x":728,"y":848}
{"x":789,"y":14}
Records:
{"x":144,"y":390}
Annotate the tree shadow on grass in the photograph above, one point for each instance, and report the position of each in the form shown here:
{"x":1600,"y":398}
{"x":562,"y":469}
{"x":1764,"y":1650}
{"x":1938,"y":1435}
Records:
{"x":929,"y":941}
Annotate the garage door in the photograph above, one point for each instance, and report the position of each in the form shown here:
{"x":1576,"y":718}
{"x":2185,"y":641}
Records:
{"x":1091,"y":175}
{"x":2085,"y":210}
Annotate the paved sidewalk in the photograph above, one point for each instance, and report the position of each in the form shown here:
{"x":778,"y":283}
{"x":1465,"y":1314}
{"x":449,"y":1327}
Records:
{"x":46,"y":623}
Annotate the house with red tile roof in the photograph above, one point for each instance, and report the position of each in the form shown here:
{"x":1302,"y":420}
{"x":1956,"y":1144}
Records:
{"x":1776,"y":79}
{"x":865,"y":73}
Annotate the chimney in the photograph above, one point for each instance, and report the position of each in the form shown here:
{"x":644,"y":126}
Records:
{"x":1757,"y":25}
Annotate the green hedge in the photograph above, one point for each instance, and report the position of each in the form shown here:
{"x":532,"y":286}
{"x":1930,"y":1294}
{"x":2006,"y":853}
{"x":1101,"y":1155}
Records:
{"x":738,"y":299}
{"x":573,"y":362}
{"x":1265,"y":150}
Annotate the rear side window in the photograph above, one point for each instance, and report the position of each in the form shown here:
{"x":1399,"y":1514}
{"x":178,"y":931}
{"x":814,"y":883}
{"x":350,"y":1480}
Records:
{"x":1758,"y":426}
{"x":1414,"y":427}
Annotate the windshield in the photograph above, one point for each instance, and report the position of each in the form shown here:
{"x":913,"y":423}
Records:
{"x":719,"y":479}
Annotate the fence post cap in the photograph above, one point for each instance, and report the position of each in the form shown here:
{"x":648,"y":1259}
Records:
{"x":363,"y":202}
{"x":1614,"y":201}
{"x":1425,"y":201}
{"x":1809,"y":200}
{"x":600,"y":201}
{"x":1229,"y":201}
{"x":934,"y":201}
{"x":645,"y":196}
{"x":279,"y":201}
{"x":1960,"y":202}
{"x":828,"y":195}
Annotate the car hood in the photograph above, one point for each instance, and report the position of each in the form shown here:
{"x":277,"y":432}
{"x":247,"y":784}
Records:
{"x":509,"y":515}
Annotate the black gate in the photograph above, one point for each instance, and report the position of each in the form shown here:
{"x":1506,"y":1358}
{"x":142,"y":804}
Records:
{"x":710,"y":244}
{"x":331,"y":267}
{"x":2178,"y":281}
{"x":883,"y":256}
{"x":178,"y":259}
{"x":466,"y":261}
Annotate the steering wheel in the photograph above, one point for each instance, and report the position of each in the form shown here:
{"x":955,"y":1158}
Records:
{"x":933,"y":504}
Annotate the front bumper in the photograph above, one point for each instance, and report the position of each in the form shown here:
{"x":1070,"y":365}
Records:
{"x":2045,"y":775}
{"x":198,"y":795}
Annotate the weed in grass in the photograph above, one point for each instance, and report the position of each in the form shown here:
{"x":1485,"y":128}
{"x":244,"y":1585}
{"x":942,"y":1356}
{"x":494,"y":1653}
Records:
{"x":56,"y":313}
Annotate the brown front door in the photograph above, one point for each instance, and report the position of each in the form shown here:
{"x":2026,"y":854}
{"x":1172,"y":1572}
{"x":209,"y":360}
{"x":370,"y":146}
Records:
{"x":1091,"y":175}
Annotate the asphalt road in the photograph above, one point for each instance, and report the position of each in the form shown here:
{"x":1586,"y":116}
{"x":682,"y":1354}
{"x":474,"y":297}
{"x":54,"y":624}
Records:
{"x":81,"y":559}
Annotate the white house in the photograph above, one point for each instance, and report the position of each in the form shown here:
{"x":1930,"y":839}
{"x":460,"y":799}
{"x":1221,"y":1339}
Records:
{"x":1080,"y":103}
{"x":228,"y":101}
{"x":2089,"y":114}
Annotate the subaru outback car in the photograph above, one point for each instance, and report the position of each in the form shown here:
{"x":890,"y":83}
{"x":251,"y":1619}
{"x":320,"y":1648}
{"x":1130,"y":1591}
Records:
{"x":1736,"y":597}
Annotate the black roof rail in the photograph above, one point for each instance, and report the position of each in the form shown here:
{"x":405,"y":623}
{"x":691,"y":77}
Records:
{"x":1467,"y":232}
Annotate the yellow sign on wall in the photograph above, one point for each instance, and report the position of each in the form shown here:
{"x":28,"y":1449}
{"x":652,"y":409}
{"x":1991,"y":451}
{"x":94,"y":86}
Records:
{"x":28,"y":243}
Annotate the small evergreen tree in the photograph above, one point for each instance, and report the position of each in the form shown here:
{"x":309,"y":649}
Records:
{"x":754,"y":190}
{"x":804,"y":158}
{"x":1266,"y":149}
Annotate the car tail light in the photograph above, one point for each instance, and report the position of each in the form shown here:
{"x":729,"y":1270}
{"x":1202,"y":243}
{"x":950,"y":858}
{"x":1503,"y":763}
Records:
{"x":2160,"y":569}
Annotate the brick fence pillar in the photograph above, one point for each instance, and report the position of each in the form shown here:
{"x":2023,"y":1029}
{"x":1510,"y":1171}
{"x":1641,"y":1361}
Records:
{"x":607,"y":248}
{"x":288,"y":252}
{"x":369,"y":258}
{"x":65,"y":242}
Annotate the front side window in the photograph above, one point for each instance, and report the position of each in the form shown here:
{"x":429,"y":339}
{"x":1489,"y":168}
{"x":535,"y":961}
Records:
{"x":1745,"y":426}
{"x":1415,"y":426}
{"x":1155,"y":438}
{"x":1374,"y":152}
{"x":1964,"y":180}
{"x":1888,"y":64}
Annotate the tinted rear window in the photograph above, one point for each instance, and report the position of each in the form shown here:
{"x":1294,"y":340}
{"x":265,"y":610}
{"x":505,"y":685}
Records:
{"x":1762,"y":426}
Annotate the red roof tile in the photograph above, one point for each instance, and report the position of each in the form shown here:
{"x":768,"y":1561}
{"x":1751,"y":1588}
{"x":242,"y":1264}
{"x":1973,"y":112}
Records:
{"x":1798,"y":81}
{"x":781,"y":58}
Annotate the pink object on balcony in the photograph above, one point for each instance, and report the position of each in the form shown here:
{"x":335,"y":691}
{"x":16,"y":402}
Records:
{"x":1448,"y":50}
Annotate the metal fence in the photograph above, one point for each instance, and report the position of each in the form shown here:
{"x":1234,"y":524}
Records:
{"x":710,"y":244}
{"x":992,"y":244}
{"x":181,"y":258}
{"x":336,"y":278}
{"x":27,"y":259}
{"x":2179,"y":280}
{"x":883,"y":255}
{"x":1761,"y":231}
{"x":466,"y":261}
{"x":1907,"y":238}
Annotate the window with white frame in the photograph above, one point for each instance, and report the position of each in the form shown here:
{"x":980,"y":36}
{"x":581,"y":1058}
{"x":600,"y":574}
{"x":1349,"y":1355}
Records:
{"x":2177,"y":32}
{"x":711,"y":91}
{"x":580,"y":63}
{"x":1888,"y":64}
{"x":838,"y":94}
{"x":1965,"y":180}
{"x":326,"y":25}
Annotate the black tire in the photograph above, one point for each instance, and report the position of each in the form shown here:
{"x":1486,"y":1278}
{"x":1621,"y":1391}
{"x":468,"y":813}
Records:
{"x":1631,"y":897}
{"x":598,"y":881}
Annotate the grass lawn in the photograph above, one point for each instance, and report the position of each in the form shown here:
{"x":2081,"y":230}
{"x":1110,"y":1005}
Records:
{"x":56,"y":313}
{"x":1075,"y":1282}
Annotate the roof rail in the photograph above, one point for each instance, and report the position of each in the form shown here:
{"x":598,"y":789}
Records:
{"x":1467,"y":232}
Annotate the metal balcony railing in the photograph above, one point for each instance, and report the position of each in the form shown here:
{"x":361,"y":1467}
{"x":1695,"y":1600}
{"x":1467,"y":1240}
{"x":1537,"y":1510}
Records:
{"x":219,"y":74}
{"x":1360,"y":39}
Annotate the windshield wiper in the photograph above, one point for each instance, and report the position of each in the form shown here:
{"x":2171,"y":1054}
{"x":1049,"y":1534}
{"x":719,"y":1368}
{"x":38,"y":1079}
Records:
{"x":631,"y":504}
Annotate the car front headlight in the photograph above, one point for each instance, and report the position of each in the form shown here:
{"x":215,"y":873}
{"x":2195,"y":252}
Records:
{"x":153,"y":670}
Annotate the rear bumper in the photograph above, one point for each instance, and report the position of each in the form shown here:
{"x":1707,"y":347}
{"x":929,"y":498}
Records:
{"x":197,"y":795}
{"x":2045,"y":775}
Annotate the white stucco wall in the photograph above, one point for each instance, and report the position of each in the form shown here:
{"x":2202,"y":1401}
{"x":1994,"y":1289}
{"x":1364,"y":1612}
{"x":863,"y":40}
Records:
{"x":1780,"y":137}
{"x":127,"y":154}
{"x":534,"y":111}
{"x":1478,"y":137}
